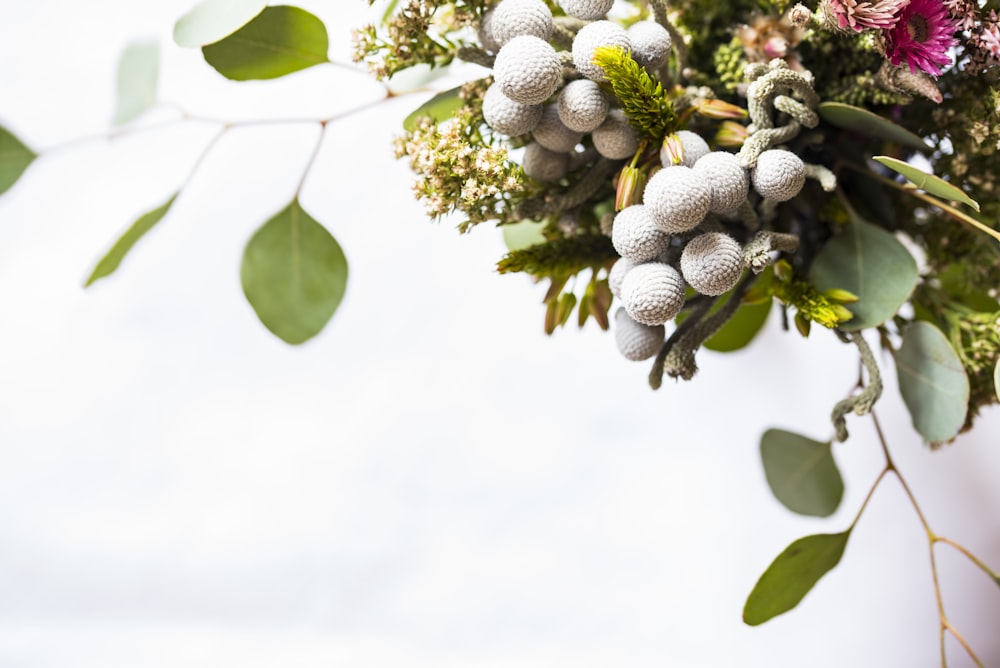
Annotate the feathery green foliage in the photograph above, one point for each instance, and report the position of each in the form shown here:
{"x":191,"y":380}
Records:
{"x":560,"y":256}
{"x":642,"y":98}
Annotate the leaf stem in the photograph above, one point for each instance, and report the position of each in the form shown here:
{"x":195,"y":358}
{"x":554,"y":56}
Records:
{"x":968,"y":555}
{"x":312,"y":158}
{"x":871,"y":492}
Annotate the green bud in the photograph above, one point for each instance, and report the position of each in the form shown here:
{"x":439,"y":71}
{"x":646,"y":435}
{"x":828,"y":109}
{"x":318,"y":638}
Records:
{"x":841,"y":312}
{"x":802,"y":324}
{"x":631,"y":183}
{"x":840,"y":296}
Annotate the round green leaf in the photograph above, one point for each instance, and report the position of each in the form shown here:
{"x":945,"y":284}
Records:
{"x":996,"y":380}
{"x":871,"y":263}
{"x":109,"y":263}
{"x":740,"y":329}
{"x":932,"y":184}
{"x":523,"y":234}
{"x":801,"y":473}
{"x":440,"y":107}
{"x":278,"y":41}
{"x":294,"y":274}
{"x":861,"y":120}
{"x":137,"y":75}
{"x":14,"y":159}
{"x":933,"y":382}
{"x":211,"y":20}
{"x":792,"y":574}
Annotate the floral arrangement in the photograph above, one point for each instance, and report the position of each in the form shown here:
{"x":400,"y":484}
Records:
{"x":672,"y":171}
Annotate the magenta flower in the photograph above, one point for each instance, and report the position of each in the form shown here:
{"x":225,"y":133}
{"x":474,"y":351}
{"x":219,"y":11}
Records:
{"x":922,"y":36}
{"x":880,"y":15}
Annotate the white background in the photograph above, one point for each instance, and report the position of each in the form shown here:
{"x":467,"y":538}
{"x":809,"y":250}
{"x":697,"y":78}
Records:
{"x":431,"y":481}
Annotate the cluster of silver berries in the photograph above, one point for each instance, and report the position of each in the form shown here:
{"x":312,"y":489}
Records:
{"x":531,"y":96}
{"x":671,"y":242}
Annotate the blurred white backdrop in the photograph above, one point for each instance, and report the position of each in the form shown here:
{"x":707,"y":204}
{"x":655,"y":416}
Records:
{"x":431,"y":481}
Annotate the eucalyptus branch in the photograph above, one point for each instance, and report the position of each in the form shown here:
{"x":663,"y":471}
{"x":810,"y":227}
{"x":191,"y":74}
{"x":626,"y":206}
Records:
{"x":932,"y":538}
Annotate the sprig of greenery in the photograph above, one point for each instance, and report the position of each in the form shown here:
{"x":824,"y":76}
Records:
{"x":560,"y":257}
{"x":642,"y":98}
{"x":811,"y":305}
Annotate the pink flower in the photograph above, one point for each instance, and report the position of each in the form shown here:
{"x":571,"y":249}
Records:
{"x":990,"y":39}
{"x":922,"y":36}
{"x":880,"y":14}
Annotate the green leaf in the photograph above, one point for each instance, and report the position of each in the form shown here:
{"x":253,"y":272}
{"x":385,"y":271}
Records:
{"x":440,"y":108}
{"x":928,"y":182}
{"x":861,"y":120}
{"x":745,"y":324}
{"x":933,"y":382}
{"x":871,"y":263}
{"x":294,"y":274}
{"x":211,"y":20}
{"x":792,"y":574}
{"x":996,"y":380}
{"x":109,"y":263}
{"x":523,"y":234}
{"x":14,"y":159}
{"x":278,"y":41}
{"x":138,"y":71}
{"x":801,"y":473}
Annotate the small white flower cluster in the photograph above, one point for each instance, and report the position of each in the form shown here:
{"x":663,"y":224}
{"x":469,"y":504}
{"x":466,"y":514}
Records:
{"x":670,"y":242}
{"x":528,"y":95}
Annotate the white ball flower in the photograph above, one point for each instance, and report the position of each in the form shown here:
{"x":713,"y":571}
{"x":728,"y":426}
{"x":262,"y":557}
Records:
{"x":779,"y":175}
{"x":650,"y":43}
{"x":617,"y":273}
{"x":653,"y":293}
{"x":552,"y":134}
{"x":542,"y":164}
{"x":582,"y":105}
{"x":712,"y":263}
{"x":677,"y":198}
{"x":588,"y":10}
{"x":636,"y":341}
{"x":508,"y":117}
{"x":636,"y":236}
{"x":513,"y":18}
{"x":485,"y":33}
{"x":692,"y":147}
{"x":615,"y":138}
{"x":591,"y":36}
{"x":727,"y":180}
{"x":527,"y":70}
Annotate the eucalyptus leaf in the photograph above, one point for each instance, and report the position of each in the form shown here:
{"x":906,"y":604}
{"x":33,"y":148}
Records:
{"x":871,"y":263}
{"x":211,"y":20}
{"x":933,"y":382}
{"x":138,"y":71}
{"x":996,"y":380}
{"x":861,"y":120}
{"x":746,"y":323}
{"x":294,"y":274}
{"x":109,"y":263}
{"x":15,"y":157}
{"x":522,"y":234}
{"x":932,"y":184}
{"x":278,"y":41}
{"x":801,"y":473}
{"x":792,"y":574}
{"x":440,"y":108}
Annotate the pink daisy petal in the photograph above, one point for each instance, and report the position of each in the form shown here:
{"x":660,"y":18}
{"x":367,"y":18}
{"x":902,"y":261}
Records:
{"x":922,"y":36}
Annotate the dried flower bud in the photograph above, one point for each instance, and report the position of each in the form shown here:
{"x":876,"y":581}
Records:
{"x":513,"y":18}
{"x":712,"y":263}
{"x":636,"y":236}
{"x":650,"y":43}
{"x":731,"y":135}
{"x":631,"y":183}
{"x":652,"y":293}
{"x":677,"y":198}
{"x":682,"y":148}
{"x":542,"y":164}
{"x":527,"y":70}
{"x":636,"y":341}
{"x":591,"y":36}
{"x":720,"y":109}
{"x":553,"y":134}
{"x":779,"y":175}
